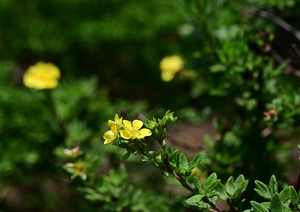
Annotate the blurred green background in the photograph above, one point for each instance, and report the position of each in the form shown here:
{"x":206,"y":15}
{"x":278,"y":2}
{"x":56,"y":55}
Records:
{"x":235,"y":56}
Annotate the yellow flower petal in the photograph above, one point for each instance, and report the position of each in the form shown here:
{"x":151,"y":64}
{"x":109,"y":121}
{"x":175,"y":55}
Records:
{"x":127,"y":123}
{"x":167,"y":76}
{"x":137,"y":124}
{"x":107,"y":141}
{"x":171,"y":64}
{"x":145,"y":132}
{"x":125,"y":134}
{"x":118,"y":121}
{"x":109,"y":135}
{"x":111,"y":123}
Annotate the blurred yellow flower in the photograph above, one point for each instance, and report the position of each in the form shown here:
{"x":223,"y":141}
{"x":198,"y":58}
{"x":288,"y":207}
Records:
{"x":170,"y":66}
{"x":42,"y":76}
{"x":133,"y":130}
{"x":115,"y":126}
{"x":78,"y":168}
{"x":72,"y":152}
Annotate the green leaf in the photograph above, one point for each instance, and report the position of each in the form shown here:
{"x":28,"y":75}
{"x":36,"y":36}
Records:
{"x":150,"y":162}
{"x":266,"y":204}
{"x":284,"y":195}
{"x":184,"y":172}
{"x":152,"y":154}
{"x":242,"y":187}
{"x":173,"y":155}
{"x":211,"y":183}
{"x":183,"y":162}
{"x":212,"y":186}
{"x":211,"y":194}
{"x":144,"y":147}
{"x":293,"y":196}
{"x":195,"y":198}
{"x":258,"y":207}
{"x":165,"y":174}
{"x":195,"y":162}
{"x":238,"y":181}
{"x":197,"y":183}
{"x":127,"y":155}
{"x":262,"y":189}
{"x":230,"y":186}
{"x":286,"y":208}
{"x":222,"y":191}
{"x":164,"y":135}
{"x":162,"y":153}
{"x":164,"y":145}
{"x":170,"y":149}
{"x":273,"y":185}
{"x":121,"y":143}
{"x":276,"y":204}
{"x":217,"y":68}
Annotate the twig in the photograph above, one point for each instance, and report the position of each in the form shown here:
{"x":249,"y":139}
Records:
{"x":59,"y":120}
{"x":289,"y":69}
{"x":232,"y":208}
{"x":280,"y":22}
{"x":297,"y":188}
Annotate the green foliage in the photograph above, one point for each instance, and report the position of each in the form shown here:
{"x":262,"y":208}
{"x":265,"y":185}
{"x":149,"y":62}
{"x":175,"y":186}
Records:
{"x":286,"y":200}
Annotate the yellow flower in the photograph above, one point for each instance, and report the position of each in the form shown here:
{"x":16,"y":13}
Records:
{"x":72,"y":152}
{"x":78,"y":168}
{"x":115,"y":126}
{"x":133,"y":130}
{"x":170,"y":66}
{"x":42,"y":76}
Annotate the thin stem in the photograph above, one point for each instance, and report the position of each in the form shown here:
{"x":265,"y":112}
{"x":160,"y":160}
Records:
{"x":297,"y":188}
{"x":280,"y":22}
{"x":59,"y":120}
{"x":183,"y":182}
{"x":215,"y":207}
{"x":170,"y":170}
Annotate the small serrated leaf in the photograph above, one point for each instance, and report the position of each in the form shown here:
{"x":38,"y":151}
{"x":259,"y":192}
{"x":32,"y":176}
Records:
{"x":197,"y":183}
{"x":182,"y":162}
{"x":262,"y":189}
{"x":242,"y":187}
{"x":230,"y":186}
{"x":195,"y":162}
{"x":258,"y":207}
{"x":293,"y":196}
{"x":239,"y":180}
{"x":211,"y":183}
{"x":195,"y":199}
{"x":276,"y":204}
{"x":212,"y":186}
{"x":170,"y":149}
{"x":284,"y":195}
{"x":222,"y":191}
{"x":273,"y":185}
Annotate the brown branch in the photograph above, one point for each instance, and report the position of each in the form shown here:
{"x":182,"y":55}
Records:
{"x":280,"y":22}
{"x":289,"y":68}
{"x":232,"y":208}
